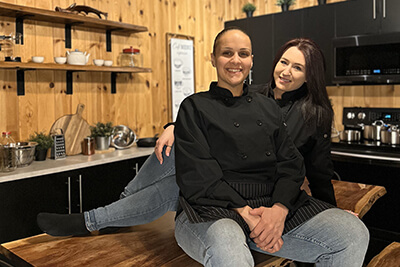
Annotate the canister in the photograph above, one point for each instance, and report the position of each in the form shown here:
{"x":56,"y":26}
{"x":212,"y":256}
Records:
{"x":88,"y":146}
{"x":130,"y":57}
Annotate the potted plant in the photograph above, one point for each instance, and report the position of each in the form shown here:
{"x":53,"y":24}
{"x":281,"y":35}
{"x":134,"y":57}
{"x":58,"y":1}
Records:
{"x":285,"y":4}
{"x":102,"y":134}
{"x":44,"y":142}
{"x":249,"y":8}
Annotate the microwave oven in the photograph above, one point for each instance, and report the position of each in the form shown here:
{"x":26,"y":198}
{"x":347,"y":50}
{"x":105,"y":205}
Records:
{"x":367,"y":59}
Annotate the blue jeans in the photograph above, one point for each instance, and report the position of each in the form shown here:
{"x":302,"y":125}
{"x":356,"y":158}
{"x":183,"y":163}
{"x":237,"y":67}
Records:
{"x":331,"y":238}
{"x":147,"y":197}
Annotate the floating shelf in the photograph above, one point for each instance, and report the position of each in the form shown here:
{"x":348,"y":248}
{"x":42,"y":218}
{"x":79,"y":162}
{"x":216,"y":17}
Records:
{"x":31,"y":13}
{"x":20,"y":13}
{"x":21,"y":67}
{"x":54,"y":66}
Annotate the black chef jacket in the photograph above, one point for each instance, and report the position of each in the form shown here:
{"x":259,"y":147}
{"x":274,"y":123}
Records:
{"x":313,"y":142}
{"x":233,"y":151}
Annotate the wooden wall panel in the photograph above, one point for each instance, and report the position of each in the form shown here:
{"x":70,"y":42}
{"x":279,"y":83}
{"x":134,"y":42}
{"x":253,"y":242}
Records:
{"x":141,"y":99}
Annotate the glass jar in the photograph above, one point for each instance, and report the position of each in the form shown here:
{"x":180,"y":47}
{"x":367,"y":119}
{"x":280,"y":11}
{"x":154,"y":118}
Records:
{"x":6,"y":47}
{"x":130,"y":57}
{"x":8,"y":153}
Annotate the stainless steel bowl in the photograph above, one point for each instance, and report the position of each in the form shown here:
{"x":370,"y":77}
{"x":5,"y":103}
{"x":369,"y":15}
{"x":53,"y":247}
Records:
{"x":25,"y":153}
{"x":122,"y":137}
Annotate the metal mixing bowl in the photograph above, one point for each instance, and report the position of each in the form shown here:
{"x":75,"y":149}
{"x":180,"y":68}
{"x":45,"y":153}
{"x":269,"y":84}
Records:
{"x":25,"y":153}
{"x":122,"y":137}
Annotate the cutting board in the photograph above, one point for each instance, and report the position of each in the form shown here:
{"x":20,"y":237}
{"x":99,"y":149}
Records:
{"x":75,"y":128}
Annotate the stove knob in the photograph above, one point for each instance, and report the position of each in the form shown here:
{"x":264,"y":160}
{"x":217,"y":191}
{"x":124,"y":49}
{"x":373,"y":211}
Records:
{"x":361,"y":115}
{"x":350,"y":115}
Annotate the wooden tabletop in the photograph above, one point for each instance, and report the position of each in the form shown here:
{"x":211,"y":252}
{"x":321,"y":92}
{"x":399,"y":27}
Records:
{"x":145,"y":245}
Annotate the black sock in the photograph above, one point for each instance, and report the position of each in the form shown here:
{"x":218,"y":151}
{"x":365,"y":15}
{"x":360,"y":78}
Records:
{"x":62,"y":224}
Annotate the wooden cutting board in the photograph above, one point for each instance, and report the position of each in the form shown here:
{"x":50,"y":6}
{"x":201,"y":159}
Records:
{"x":75,"y":128}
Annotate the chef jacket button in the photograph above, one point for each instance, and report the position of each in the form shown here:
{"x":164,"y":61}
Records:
{"x":236,"y":124}
{"x":259,"y":123}
{"x":325,"y":135}
{"x":268,"y":153}
{"x":249,"y":99}
{"x":244,"y":156}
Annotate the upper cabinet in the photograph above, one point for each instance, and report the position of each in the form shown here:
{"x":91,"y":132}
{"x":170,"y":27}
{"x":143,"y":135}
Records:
{"x":362,"y":17}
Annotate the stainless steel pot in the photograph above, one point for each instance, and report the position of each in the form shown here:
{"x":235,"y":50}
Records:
{"x":390,"y":135}
{"x":350,"y":135}
{"x":373,"y":132}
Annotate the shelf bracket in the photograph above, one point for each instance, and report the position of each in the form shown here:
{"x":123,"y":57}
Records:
{"x":113,"y":82}
{"x":108,"y":40}
{"x":20,"y":82}
{"x":19,"y":30}
{"x":68,"y":36}
{"x":69,"y":82}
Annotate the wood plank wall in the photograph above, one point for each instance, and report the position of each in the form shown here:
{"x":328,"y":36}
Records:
{"x":141,"y":99}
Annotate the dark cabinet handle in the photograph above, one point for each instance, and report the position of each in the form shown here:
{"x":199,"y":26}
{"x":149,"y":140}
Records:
{"x":69,"y":195}
{"x":80,"y":193}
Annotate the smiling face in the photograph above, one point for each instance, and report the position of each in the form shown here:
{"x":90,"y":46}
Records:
{"x":233,"y":60}
{"x":289,"y":72}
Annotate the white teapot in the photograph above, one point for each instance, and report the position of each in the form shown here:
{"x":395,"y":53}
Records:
{"x":77,"y":57}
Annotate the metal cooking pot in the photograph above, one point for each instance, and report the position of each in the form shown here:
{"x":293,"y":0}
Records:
{"x":390,"y":134}
{"x":350,"y":135}
{"x":373,"y":132}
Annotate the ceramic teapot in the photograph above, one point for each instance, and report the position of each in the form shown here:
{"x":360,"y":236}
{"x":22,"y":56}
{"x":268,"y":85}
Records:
{"x":77,"y":57}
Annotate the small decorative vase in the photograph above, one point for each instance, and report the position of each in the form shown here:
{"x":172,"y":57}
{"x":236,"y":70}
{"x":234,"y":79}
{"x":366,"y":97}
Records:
{"x":41,"y":154}
{"x":285,"y":7}
{"x":103,"y":142}
{"x":249,"y":14}
{"x":321,"y":2}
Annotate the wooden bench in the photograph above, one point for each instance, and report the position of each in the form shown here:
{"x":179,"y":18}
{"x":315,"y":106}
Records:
{"x":152,"y":244}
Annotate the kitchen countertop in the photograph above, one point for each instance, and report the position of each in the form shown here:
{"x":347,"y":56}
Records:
{"x":50,"y":166}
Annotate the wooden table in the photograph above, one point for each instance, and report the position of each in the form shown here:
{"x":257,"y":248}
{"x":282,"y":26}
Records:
{"x":151,"y":244}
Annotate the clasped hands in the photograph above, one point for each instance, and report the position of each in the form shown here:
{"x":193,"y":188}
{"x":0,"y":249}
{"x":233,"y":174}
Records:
{"x":266,"y":225}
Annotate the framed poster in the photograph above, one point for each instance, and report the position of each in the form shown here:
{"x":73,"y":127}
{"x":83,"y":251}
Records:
{"x":180,"y":70}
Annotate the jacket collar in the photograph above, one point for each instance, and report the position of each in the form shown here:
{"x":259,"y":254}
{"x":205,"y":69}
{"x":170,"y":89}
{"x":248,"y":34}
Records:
{"x":225,"y":95}
{"x":288,"y":97}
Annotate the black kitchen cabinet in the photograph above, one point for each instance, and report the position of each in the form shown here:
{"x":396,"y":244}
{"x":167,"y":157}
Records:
{"x":287,"y":25}
{"x":390,"y":21}
{"x":260,"y":30}
{"x":67,"y":192}
{"x":363,"y":17}
{"x":318,"y":25}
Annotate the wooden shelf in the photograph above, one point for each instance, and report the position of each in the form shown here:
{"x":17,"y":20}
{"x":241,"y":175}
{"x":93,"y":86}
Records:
{"x":31,"y":13}
{"x":68,"y":67}
{"x":21,"y":13}
{"x":21,"y":67}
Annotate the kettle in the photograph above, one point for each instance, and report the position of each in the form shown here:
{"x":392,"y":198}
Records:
{"x":77,"y":57}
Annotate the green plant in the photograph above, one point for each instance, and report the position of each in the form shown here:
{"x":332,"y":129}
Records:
{"x":249,"y":7}
{"x":45,"y":141}
{"x":101,"y":129}
{"x":285,"y":2}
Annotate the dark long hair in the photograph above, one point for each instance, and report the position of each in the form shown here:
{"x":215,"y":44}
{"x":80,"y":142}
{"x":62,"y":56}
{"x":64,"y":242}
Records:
{"x":316,"y":105}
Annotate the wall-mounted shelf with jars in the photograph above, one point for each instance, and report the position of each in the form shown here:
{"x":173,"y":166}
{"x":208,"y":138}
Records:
{"x":20,"y":13}
{"x":21,"y":67}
